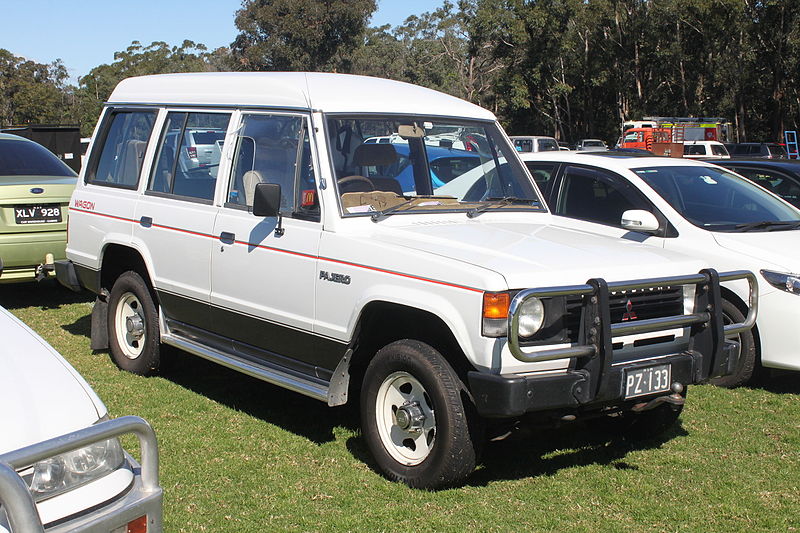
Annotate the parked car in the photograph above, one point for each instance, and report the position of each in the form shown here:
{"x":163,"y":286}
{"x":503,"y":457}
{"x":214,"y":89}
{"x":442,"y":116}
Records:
{"x":563,"y":145}
{"x":438,"y":312}
{"x":702,"y":210}
{"x":705,"y":150}
{"x":62,"y":467}
{"x":781,"y":176}
{"x":534,"y":143}
{"x":590,"y":145}
{"x":35,"y":187}
{"x":762,"y":150}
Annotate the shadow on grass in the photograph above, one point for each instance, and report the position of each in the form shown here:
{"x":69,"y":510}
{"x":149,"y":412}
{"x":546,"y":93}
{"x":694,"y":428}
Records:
{"x":47,"y":294}
{"x":779,"y":382}
{"x":536,"y":451}
{"x":291,"y":411}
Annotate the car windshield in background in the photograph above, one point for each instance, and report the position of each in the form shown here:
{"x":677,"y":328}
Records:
{"x":396,"y":165}
{"x":718,"y":200}
{"x":23,"y":158}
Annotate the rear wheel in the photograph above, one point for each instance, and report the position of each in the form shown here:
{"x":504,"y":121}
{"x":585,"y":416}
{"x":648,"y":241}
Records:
{"x":133,"y":334}
{"x":416,"y":418}
{"x":747,"y":356}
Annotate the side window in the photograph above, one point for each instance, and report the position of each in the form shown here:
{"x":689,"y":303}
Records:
{"x":124,"y":139}
{"x":597,"y":197}
{"x":775,"y":182}
{"x":543,"y":175}
{"x":275,"y":149}
{"x":189,"y":154}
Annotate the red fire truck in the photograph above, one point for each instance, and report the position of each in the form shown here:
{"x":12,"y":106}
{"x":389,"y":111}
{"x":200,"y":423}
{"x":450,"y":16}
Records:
{"x":657,"y":133}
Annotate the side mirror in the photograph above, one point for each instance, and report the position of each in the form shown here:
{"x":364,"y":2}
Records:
{"x":267,"y":203}
{"x":267,"y":200}
{"x":639,"y":220}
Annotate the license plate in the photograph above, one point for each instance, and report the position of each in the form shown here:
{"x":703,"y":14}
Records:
{"x":37,"y":214}
{"x":648,"y":380}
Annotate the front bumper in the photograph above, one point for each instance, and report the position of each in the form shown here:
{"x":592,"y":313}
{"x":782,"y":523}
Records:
{"x":143,"y":498}
{"x":594,"y":379}
{"x":508,"y":396}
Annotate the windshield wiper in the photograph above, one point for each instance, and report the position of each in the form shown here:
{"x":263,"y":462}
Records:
{"x":377,"y":215}
{"x":499,"y":202}
{"x":768,"y":224}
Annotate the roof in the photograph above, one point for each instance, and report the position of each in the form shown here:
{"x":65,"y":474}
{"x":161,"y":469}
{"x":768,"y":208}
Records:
{"x":612,"y":160}
{"x":331,"y":93}
{"x":12,"y":137}
{"x":786,"y":164}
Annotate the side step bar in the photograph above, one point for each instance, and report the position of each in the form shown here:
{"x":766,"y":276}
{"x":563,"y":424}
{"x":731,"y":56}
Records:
{"x":270,"y":374}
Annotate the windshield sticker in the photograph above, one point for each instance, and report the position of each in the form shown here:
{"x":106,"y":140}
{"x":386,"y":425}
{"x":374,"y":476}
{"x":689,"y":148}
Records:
{"x":361,"y":209}
{"x":709,"y":180}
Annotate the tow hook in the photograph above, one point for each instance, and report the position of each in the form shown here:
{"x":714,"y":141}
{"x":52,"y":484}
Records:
{"x":43,"y":270}
{"x":675,"y":399}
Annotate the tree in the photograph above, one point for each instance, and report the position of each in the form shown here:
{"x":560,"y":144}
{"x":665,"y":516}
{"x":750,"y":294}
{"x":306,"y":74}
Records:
{"x":32,"y":92}
{"x":137,"y":60}
{"x":314,"y":35}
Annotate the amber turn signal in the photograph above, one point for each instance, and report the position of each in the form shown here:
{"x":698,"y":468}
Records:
{"x":495,"y":304}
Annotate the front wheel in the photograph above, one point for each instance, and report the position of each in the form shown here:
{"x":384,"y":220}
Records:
{"x":416,"y":418}
{"x":133,"y":334}
{"x":747,"y":354}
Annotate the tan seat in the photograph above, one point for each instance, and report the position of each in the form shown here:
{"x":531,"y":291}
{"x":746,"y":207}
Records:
{"x":250,"y":179}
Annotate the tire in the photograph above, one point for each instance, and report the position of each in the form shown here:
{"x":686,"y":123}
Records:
{"x":416,"y":418}
{"x":133,"y":334}
{"x":747,"y":357}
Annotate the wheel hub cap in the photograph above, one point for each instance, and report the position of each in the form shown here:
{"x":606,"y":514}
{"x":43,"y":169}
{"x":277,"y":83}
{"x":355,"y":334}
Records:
{"x":135,"y":326}
{"x":410,"y":417}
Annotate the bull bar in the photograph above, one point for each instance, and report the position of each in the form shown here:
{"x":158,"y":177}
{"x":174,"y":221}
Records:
{"x":17,"y":500}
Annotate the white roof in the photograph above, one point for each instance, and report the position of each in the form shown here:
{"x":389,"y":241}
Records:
{"x":617,"y":161}
{"x":331,"y":93}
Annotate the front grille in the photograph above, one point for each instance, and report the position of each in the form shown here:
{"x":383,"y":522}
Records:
{"x":644,"y":304}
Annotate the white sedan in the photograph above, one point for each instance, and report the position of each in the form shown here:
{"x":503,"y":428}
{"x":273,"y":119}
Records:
{"x":699,"y":209}
{"x":61,"y":465}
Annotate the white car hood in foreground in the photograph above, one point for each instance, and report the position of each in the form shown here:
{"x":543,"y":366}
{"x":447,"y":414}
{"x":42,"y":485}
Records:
{"x":41,"y":395}
{"x":775,"y":249}
{"x":529,"y":254}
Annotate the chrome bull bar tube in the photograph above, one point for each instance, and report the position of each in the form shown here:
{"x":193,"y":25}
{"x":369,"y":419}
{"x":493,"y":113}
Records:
{"x":628,"y":328}
{"x":752,"y":307}
{"x":17,"y":500}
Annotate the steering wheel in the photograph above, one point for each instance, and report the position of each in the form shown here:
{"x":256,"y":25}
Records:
{"x":356,"y":183}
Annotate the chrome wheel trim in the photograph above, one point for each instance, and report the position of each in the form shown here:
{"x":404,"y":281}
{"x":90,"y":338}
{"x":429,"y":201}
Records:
{"x":408,"y":446}
{"x":131,"y":343}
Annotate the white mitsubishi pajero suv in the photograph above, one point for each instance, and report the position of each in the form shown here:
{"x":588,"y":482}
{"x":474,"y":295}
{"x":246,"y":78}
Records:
{"x":301,"y":260}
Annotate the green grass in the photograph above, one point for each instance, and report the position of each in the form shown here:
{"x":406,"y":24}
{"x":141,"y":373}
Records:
{"x":241,"y":455}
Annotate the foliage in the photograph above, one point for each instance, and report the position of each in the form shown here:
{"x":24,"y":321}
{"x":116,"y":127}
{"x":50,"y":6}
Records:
{"x":32,"y":92}
{"x":308,"y":35}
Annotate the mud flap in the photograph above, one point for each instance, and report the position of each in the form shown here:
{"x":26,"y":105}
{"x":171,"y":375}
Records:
{"x":99,"y":338}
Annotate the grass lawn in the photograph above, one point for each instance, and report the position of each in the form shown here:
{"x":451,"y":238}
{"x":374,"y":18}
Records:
{"x":241,"y":455}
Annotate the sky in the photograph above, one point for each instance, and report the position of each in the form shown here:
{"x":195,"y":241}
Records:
{"x":86,"y":33}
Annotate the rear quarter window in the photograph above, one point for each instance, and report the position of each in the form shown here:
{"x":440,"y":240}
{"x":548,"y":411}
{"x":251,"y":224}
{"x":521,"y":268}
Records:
{"x":124,"y":138}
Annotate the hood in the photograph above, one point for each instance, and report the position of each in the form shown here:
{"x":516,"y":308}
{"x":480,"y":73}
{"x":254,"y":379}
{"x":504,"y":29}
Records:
{"x":775,"y":249}
{"x":41,"y":395}
{"x":527,"y":254}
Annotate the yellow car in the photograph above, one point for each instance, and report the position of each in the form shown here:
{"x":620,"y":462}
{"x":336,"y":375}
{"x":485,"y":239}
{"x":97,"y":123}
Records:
{"x":35,"y":187}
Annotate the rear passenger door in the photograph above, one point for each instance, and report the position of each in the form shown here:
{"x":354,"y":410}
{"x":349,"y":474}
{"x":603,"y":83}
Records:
{"x":263,"y":276}
{"x":175,"y":216}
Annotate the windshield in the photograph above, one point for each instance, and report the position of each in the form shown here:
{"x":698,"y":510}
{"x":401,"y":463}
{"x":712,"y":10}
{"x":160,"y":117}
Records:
{"x":427,"y":165}
{"x":23,"y":158}
{"x":717,"y":200}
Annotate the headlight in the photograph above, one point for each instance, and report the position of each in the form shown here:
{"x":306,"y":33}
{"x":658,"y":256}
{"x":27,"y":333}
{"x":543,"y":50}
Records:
{"x":782,"y":281}
{"x":531,"y":317}
{"x":67,"y":471}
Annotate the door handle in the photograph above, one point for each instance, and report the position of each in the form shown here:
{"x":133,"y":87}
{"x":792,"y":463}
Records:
{"x":227,"y":237}
{"x":146,"y":222}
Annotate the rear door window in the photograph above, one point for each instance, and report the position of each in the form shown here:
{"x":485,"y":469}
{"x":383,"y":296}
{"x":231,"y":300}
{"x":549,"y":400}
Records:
{"x":189,"y":154}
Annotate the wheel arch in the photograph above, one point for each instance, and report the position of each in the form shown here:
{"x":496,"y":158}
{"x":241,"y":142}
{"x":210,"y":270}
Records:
{"x":382,"y":322}
{"x":118,"y":258}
